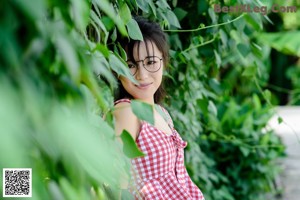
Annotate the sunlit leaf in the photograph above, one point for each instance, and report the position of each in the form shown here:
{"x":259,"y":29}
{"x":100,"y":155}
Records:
{"x":107,"y":8}
{"x":120,"y":67}
{"x":212,"y":108}
{"x":130,"y":148}
{"x":249,"y":71}
{"x":125,"y":13}
{"x":172,"y":19}
{"x":143,"y":111}
{"x":142,"y":4}
{"x":285,"y":42}
{"x":81,"y":11}
{"x":134,"y":31}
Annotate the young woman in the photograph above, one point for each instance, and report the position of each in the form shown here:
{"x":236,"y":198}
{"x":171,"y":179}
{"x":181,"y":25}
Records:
{"x":160,"y":174}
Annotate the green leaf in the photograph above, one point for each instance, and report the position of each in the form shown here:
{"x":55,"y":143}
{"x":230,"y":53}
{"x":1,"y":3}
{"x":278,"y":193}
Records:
{"x":267,"y":94}
{"x":249,"y":71}
{"x":122,"y":52}
{"x":243,"y":49}
{"x":245,"y":151}
{"x":172,"y":19}
{"x":142,"y":4}
{"x":130,"y":148}
{"x":180,"y":13}
{"x":125,"y":13}
{"x":212,"y":108}
{"x":163,"y":4}
{"x":120,"y":67}
{"x":285,"y":42}
{"x":103,"y":49}
{"x":280,"y":120}
{"x":134,"y":31}
{"x":143,"y":111}
{"x":80,"y":13}
{"x":69,"y":56}
{"x":256,"y":102}
{"x":152,"y":7}
{"x":107,"y":8}
{"x":203,"y":104}
{"x":218,"y":59}
{"x":34,"y":9}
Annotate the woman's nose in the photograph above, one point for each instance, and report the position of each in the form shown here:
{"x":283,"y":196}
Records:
{"x":142,"y":73}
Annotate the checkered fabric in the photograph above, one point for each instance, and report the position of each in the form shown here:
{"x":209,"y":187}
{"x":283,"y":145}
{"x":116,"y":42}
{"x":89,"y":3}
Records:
{"x":161,"y":174}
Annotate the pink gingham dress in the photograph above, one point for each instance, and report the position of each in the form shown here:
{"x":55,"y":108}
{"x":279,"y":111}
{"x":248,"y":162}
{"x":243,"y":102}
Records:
{"x":161,"y":174}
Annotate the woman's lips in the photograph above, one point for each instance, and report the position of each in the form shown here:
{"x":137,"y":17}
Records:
{"x":143,"y":85}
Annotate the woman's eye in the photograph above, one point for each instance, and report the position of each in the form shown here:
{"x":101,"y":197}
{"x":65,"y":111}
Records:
{"x":131,"y":66}
{"x":150,"y":62}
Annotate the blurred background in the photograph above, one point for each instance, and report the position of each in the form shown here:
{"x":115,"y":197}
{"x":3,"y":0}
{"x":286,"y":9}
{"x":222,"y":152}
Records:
{"x":230,"y":74}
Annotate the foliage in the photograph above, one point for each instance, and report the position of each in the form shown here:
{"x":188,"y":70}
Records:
{"x":57,"y":115}
{"x":50,"y":121}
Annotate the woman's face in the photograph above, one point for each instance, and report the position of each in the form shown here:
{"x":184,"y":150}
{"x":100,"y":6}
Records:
{"x":147,"y":68}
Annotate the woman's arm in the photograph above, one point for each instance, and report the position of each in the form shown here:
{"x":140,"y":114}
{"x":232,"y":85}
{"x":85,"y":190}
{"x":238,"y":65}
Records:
{"x":125,"y":119}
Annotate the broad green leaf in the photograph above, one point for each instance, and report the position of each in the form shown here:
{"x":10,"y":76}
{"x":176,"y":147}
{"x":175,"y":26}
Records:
{"x":172,"y":19}
{"x":243,"y":49}
{"x":215,"y":85}
{"x":224,"y":38}
{"x":267,"y":95}
{"x":125,"y":13}
{"x":80,"y":12}
{"x":97,"y":20}
{"x":163,"y":4}
{"x":120,"y":67}
{"x":254,"y":20}
{"x":122,"y":52}
{"x":69,"y":56}
{"x":103,"y":49}
{"x":152,"y":7}
{"x":68,"y":190}
{"x":212,"y":15}
{"x":34,"y":9}
{"x":142,"y":4}
{"x":218,"y":58}
{"x":212,"y":108}
{"x":130,"y":148}
{"x":256,"y":102}
{"x":285,"y":42}
{"x":245,"y":151}
{"x":107,"y":8}
{"x":143,"y":111}
{"x":249,"y":71}
{"x":203,"y":104}
{"x":180,"y":13}
{"x":134,"y":31}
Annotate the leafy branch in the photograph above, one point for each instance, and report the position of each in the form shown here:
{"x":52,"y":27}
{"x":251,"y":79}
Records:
{"x":205,"y":27}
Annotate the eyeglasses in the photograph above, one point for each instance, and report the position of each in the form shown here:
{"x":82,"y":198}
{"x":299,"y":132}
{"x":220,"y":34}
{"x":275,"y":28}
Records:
{"x":151,"y":64}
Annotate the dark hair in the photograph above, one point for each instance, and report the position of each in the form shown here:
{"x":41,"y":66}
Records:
{"x":152,"y":32}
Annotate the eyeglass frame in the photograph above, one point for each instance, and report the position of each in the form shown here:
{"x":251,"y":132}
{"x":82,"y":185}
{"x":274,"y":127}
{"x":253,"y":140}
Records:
{"x":143,"y":62}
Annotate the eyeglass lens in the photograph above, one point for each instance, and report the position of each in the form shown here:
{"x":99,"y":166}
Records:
{"x":150,"y":63}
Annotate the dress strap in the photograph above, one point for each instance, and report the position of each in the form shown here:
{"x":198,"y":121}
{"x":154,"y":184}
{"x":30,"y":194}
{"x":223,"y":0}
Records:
{"x":165,"y":114}
{"x":122,"y":100}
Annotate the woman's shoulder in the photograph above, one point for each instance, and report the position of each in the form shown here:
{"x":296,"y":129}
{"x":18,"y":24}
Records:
{"x":125,"y":118}
{"x":122,"y":107}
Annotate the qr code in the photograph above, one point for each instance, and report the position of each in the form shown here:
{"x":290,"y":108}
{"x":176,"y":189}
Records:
{"x":17,"y":182}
